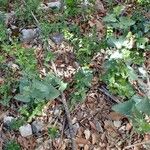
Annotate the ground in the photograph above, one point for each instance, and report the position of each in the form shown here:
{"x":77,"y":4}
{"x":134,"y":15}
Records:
{"x":95,"y":125}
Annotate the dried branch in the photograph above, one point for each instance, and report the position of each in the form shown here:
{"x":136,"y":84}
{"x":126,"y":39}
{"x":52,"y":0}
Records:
{"x":106,"y":92}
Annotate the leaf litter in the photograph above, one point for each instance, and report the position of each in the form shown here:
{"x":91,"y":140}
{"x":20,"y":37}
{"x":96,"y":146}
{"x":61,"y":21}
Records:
{"x":95,"y":125}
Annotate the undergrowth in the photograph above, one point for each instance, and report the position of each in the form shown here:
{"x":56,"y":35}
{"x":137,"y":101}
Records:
{"x":126,"y":42}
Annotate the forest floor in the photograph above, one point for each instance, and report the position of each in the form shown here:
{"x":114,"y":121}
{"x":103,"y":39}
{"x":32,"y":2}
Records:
{"x":95,"y":125}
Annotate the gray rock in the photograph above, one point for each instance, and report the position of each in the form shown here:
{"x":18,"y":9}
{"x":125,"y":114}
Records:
{"x":56,"y":4}
{"x":28,"y":35}
{"x":37,"y":126}
{"x":117,"y":124}
{"x":7,"y":121}
{"x":25,"y":130}
{"x":57,"y":38}
{"x":99,"y":127}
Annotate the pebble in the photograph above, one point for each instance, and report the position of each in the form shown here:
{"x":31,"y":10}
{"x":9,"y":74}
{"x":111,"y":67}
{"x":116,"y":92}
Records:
{"x":28,"y":35}
{"x":117,"y":123}
{"x":99,"y":127}
{"x":7,"y":121}
{"x":25,"y":130}
{"x":37,"y":126}
{"x":56,"y":112}
{"x":57,"y":38}
{"x":56,"y":4}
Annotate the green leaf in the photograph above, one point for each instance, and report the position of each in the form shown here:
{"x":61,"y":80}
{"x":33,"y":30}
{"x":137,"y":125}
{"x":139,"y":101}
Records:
{"x":141,"y":42}
{"x":53,"y":132}
{"x":136,"y":98}
{"x":62,"y":87}
{"x":44,"y":90}
{"x":124,"y":108}
{"x":144,"y":106}
{"x":118,"y":10}
{"x":125,"y":22}
{"x":23,"y":98}
{"x":132,"y":75}
{"x":110,"y":18}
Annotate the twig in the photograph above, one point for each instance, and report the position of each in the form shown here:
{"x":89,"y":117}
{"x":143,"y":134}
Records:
{"x":71,"y":131}
{"x":106,"y":92}
{"x":62,"y":132}
{"x":137,"y":144}
{"x":63,"y":98}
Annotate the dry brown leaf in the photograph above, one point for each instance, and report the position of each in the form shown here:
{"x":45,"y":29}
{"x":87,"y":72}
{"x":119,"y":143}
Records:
{"x":27,"y":143}
{"x":98,"y":148}
{"x":1,"y":80}
{"x":86,"y":147}
{"x":115,"y":116}
{"x":99,"y":6}
{"x":93,"y":126}
{"x":3,"y":114}
{"x":128,"y":127}
{"x":87,"y":133}
{"x":94,"y":138}
{"x":103,"y":136}
{"x":91,"y":23}
{"x":147,"y":137}
{"x":81,"y":141}
{"x":99,"y":25}
{"x":80,"y":131}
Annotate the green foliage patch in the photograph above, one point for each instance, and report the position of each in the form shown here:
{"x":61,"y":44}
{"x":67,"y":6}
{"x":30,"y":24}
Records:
{"x":12,"y":145}
{"x":127,"y":41}
{"x":83,"y":79}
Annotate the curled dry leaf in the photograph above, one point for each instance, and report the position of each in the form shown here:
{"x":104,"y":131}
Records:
{"x":86,"y":147}
{"x":99,"y":6}
{"x":93,"y":126}
{"x":81,"y":141}
{"x":128,"y":126}
{"x":94,"y":138}
{"x":1,"y":81}
{"x":115,"y":116}
{"x":87,"y":134}
{"x":99,"y":25}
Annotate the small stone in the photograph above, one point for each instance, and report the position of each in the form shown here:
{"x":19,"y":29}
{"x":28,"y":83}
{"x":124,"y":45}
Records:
{"x":49,"y":5}
{"x":25,"y":130}
{"x":99,"y":127}
{"x":28,"y":35}
{"x":37,"y":126}
{"x":57,"y":38}
{"x":56,"y":112}
{"x":117,"y":123}
{"x":54,"y":4}
{"x":7,"y":121}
